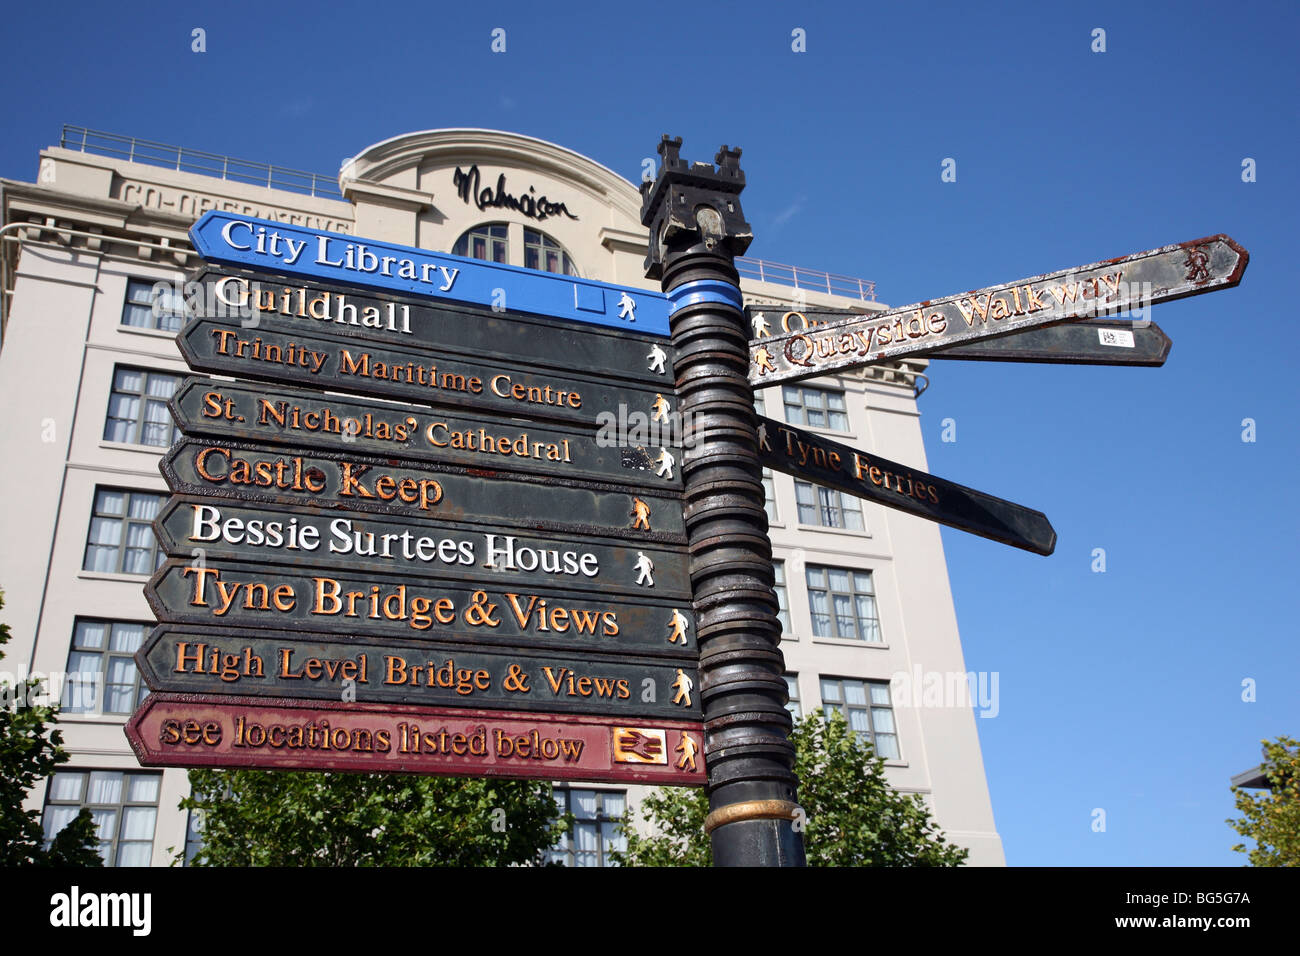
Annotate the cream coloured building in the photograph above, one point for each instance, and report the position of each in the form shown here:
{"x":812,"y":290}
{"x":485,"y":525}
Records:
{"x":88,"y":359}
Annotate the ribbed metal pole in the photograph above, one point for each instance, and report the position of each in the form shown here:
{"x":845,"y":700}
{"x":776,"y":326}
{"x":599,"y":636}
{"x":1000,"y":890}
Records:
{"x":696,"y":231}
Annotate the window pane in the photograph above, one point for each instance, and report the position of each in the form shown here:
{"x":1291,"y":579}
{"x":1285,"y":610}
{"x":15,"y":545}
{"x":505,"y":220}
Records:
{"x":855,"y":694}
{"x":135,"y":854}
{"x":844,"y":616}
{"x":830,"y":690}
{"x":56,"y":818}
{"x":819,"y":607}
{"x":585,"y":837}
{"x":105,"y":823}
{"x":127,"y":637}
{"x":882,"y":720}
{"x":84,"y":662}
{"x":880,"y":694}
{"x":145,"y":506}
{"x":137,"y":823}
{"x":584,"y":804}
{"x":90,"y":633}
{"x":614,"y":804}
{"x":109,"y":502}
{"x":105,"y":787}
{"x":66,"y":785}
{"x":887,"y":746}
{"x":612,"y":840}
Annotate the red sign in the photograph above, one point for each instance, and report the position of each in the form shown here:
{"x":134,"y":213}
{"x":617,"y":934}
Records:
{"x":182,"y":730}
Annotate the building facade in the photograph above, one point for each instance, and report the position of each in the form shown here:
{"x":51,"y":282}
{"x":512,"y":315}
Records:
{"x":88,"y":359}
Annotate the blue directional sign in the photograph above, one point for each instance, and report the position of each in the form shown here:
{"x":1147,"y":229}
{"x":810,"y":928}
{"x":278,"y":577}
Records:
{"x":268,"y":246}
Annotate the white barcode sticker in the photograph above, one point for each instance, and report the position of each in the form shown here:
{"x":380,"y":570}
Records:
{"x":1120,"y":337}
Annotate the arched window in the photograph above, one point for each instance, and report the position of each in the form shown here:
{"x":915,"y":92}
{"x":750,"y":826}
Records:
{"x":544,"y":253}
{"x":487,"y":242}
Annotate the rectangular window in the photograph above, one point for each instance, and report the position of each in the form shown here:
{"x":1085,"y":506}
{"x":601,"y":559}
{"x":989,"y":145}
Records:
{"x":101,"y":666}
{"x":758,"y":404}
{"x":121,"y":534}
{"x":145,"y":308}
{"x":827,"y":507}
{"x":137,"y":409}
{"x":124,"y":806}
{"x":866,"y":707}
{"x":778,"y":568}
{"x":792,"y":705}
{"x":598,"y":815}
{"x":815,"y":407}
{"x":843,"y":604}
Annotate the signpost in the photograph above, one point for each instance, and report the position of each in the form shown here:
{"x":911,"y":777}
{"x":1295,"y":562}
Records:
{"x":350,"y":315}
{"x":866,"y":475}
{"x":1094,"y":342}
{"x":466,"y":565}
{"x":1102,"y":288}
{"x":297,"y":418}
{"x":348,"y":482}
{"x":485,"y":552}
{"x":280,"y":249}
{"x":410,"y":374}
{"x":290,"y":734}
{"x":196,"y":660}
{"x":233,"y":530}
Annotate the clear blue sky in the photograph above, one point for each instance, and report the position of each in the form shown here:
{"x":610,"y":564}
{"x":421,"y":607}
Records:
{"x":1119,"y":690}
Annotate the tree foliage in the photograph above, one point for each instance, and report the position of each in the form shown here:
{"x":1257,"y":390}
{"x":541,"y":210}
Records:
{"x":1272,"y":817}
{"x":851,"y":815}
{"x":293,"y":818}
{"x":30,"y":749}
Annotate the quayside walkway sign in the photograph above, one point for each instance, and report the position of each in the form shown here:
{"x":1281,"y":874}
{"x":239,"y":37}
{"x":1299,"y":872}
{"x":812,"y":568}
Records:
{"x":1113,"y":286}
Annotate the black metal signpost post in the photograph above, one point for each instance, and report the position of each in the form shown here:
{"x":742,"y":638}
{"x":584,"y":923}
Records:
{"x":696,"y":231}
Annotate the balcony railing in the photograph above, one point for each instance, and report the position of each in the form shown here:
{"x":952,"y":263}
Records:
{"x":196,"y":161}
{"x":811,"y":279}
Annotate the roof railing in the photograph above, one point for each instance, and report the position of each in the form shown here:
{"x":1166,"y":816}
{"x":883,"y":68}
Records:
{"x":135,"y":150}
{"x":811,"y":279}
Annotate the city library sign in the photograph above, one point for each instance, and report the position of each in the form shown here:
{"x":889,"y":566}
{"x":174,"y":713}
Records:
{"x":467,"y":183}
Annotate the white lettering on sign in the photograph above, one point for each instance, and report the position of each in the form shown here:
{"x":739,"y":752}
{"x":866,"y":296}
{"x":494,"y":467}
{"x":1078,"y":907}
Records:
{"x":1119,"y":337}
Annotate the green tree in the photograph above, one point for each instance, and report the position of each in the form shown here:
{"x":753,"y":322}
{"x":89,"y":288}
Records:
{"x":851,"y":815}
{"x":1272,"y":817}
{"x":30,"y":749}
{"x":293,"y":818}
